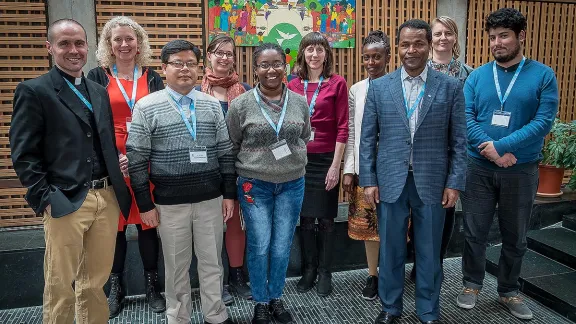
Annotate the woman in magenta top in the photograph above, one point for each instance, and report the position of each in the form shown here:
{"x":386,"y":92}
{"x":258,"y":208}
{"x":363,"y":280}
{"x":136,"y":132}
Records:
{"x":327,"y":96}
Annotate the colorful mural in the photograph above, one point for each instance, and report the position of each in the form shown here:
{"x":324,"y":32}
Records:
{"x":285,"y":22}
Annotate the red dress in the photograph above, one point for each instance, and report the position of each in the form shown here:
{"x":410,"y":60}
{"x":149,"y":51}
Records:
{"x":120,"y":112}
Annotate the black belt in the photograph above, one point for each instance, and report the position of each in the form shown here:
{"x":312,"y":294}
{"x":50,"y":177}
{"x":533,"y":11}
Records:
{"x":100,"y":184}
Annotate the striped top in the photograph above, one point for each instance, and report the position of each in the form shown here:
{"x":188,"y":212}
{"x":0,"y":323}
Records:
{"x":158,"y":150}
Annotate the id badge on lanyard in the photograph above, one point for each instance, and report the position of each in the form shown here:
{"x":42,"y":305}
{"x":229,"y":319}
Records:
{"x":280,"y":149}
{"x":198,"y":154}
{"x":312,"y":133}
{"x":501,"y":118}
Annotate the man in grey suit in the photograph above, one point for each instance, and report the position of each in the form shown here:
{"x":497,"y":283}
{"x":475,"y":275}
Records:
{"x":412,"y":157}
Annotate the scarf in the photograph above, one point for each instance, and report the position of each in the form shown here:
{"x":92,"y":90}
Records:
{"x":269,"y":103}
{"x":230,"y":83}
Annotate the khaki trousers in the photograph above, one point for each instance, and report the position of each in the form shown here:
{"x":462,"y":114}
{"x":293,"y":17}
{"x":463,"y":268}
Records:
{"x":182,"y":228}
{"x":78,"y":260}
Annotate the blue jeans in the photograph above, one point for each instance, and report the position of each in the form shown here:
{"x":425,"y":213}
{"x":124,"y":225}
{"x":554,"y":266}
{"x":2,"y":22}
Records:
{"x":270,"y":213}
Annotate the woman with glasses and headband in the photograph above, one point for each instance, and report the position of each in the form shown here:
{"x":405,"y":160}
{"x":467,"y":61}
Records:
{"x":327,"y":97}
{"x":362,"y":218}
{"x":444,"y":58}
{"x":123,"y":53}
{"x":269,"y":127}
{"x":222,"y":82}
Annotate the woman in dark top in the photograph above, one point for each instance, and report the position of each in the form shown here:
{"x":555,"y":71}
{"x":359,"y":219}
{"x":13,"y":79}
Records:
{"x":327,"y":96}
{"x":123,"y":53}
{"x":222,"y":82}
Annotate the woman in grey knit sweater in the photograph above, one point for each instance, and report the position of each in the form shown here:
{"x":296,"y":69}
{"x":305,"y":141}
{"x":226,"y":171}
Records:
{"x":269,"y":127}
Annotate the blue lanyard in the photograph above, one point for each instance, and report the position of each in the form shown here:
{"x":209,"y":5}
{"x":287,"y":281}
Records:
{"x":315,"y":96}
{"x":282,"y":115}
{"x":449,"y":65}
{"x":410,"y":111}
{"x":191,"y":128}
{"x":497,"y":83}
{"x":132,"y":101}
{"x":79,"y":95}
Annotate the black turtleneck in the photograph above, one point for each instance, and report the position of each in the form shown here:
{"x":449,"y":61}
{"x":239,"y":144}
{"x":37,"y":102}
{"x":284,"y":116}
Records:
{"x":99,"y":170}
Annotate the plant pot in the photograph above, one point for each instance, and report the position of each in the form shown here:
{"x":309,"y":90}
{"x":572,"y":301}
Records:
{"x":550,"y":181}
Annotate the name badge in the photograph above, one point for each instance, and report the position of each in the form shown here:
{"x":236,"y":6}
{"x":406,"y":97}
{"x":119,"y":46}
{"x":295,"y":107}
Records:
{"x":198,"y":154}
{"x":312,"y":134}
{"x":501,"y":118}
{"x":280,"y":149}
{"x":128,"y":123}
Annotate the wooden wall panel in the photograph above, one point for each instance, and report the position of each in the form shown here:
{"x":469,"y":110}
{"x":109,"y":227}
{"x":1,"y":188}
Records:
{"x":550,"y":39}
{"x":23,"y":55}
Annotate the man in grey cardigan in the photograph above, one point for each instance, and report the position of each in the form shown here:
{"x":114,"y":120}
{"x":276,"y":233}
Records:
{"x":179,"y":142}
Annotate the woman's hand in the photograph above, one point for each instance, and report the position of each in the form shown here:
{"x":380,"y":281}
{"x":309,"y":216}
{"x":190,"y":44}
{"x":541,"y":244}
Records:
{"x":332,"y":178}
{"x":348,"y":183}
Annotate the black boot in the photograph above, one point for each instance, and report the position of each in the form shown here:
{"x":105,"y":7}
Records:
{"x":155,"y":300}
{"x":309,"y":260}
{"x":116,"y":297}
{"x":325,"y":248}
{"x":238,"y":284}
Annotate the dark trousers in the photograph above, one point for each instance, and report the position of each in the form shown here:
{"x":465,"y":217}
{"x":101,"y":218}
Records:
{"x":148,"y":245}
{"x":428,"y":222}
{"x":514,"y":193}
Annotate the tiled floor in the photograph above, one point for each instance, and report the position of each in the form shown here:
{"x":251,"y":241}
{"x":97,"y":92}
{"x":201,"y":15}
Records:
{"x":343,"y":306}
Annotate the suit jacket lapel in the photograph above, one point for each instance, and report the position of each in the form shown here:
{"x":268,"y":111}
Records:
{"x":96,"y":102}
{"x":398,"y":96}
{"x":67,"y":96}
{"x":431,"y":88}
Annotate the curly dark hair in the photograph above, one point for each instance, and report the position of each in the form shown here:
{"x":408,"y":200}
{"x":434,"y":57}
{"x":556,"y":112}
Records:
{"x":506,"y":18}
{"x":416,"y":24}
{"x":378,"y":37}
{"x":314,"y":38}
{"x":267,"y":46}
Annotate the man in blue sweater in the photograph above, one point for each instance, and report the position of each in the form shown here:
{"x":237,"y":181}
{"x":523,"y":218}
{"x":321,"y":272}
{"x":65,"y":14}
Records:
{"x":511,"y":104}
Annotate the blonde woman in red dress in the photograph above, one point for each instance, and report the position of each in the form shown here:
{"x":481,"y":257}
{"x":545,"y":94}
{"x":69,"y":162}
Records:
{"x":123,"y":53}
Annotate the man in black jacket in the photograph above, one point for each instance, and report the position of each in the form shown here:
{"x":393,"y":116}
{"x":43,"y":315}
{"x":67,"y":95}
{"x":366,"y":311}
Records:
{"x":64,"y":152}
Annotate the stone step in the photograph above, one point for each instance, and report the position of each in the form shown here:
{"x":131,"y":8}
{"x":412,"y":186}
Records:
{"x":569,"y":221}
{"x":548,"y":281}
{"x":557,"y":243}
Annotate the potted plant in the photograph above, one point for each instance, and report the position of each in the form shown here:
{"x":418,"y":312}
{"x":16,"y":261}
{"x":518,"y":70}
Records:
{"x":559,"y":155}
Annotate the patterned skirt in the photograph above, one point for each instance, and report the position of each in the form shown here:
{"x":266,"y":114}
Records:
{"x":362,"y":219}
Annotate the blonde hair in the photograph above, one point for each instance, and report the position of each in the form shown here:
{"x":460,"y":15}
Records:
{"x":451,"y":25}
{"x":104,"y":51}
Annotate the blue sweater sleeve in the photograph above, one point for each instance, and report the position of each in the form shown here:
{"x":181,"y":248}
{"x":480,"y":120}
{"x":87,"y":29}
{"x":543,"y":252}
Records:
{"x":542,"y":122}
{"x":476,"y":135}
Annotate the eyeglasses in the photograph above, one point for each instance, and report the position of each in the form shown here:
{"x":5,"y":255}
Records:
{"x":220,"y":54}
{"x":180,"y":65}
{"x":276,"y":65}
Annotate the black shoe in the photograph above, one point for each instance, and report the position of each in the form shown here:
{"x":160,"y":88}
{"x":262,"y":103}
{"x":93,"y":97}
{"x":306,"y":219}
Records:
{"x":325,"y":249}
{"x":370,"y":291}
{"x":309,"y":260}
{"x":261,"y":314}
{"x":324,"y":286}
{"x":227,"y":321}
{"x":307,"y":281}
{"x":431,"y":322}
{"x":386,"y":318}
{"x":155,"y":300}
{"x":116,"y":297}
{"x":279,"y":312}
{"x":237,"y":283}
